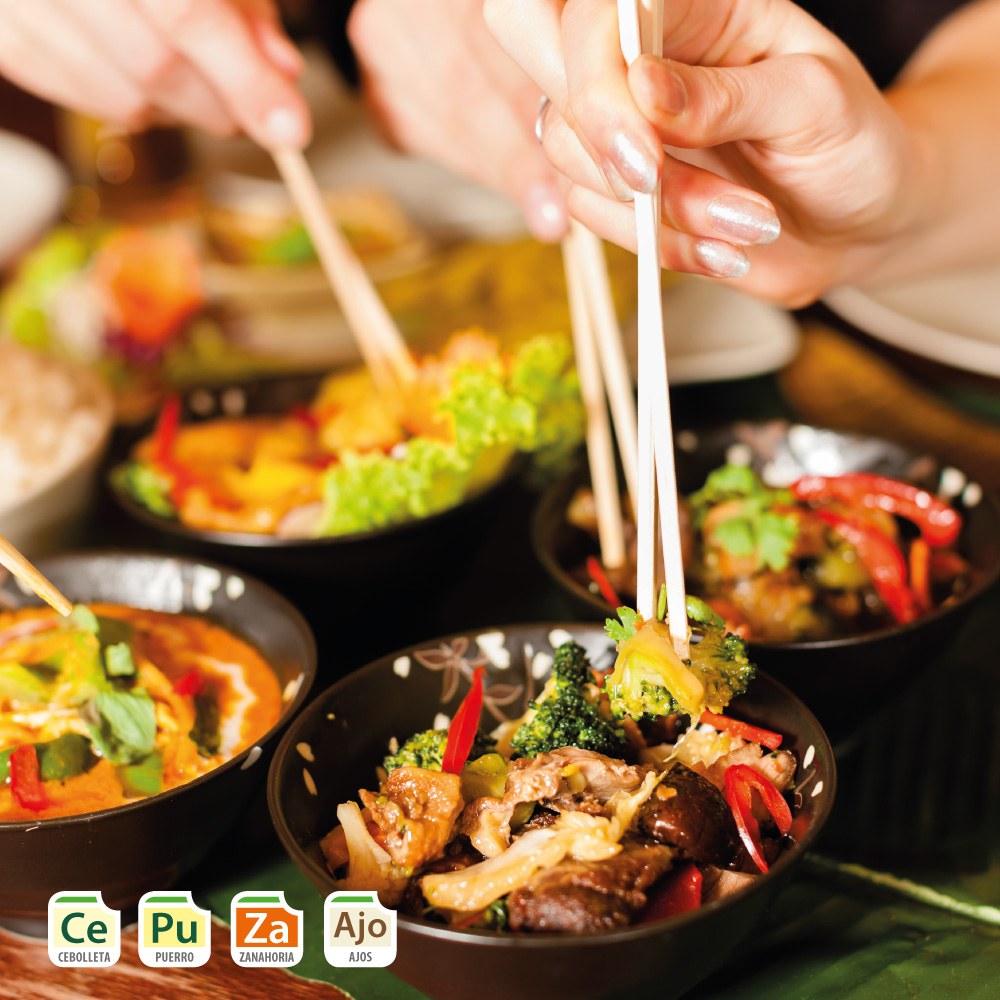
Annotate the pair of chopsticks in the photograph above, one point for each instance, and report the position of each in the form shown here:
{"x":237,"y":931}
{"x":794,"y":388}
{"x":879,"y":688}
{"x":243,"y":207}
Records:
{"x":640,"y":25}
{"x":597,"y":345}
{"x":378,"y":338}
{"x":12,"y":559}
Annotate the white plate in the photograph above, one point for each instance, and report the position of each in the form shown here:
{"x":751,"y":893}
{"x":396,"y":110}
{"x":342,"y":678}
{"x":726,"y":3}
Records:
{"x":32,"y":183}
{"x":715,"y":333}
{"x":952,"y":318}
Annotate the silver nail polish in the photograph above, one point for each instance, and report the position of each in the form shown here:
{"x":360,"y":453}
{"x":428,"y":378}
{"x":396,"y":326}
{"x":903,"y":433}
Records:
{"x":722,"y":259}
{"x":618,"y":187}
{"x":635,"y":165}
{"x":745,"y":220}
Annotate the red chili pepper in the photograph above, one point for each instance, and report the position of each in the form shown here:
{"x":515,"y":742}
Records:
{"x":883,"y":562}
{"x":167,"y":425}
{"x":463,"y":728}
{"x":742,"y":729}
{"x":679,"y":892}
{"x":920,"y":569}
{"x":304,"y":416}
{"x":25,"y":779}
{"x":164,"y":446}
{"x":189,"y":684}
{"x":741,"y":780}
{"x":599,"y":577}
{"x":939,"y":524}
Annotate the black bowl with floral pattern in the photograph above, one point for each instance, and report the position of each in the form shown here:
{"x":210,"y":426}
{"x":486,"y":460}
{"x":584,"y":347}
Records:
{"x":332,"y":750}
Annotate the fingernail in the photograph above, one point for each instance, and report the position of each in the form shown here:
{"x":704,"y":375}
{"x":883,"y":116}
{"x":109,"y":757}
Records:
{"x":745,"y":220}
{"x":285,"y":127}
{"x":280,"y":50}
{"x":722,"y":259}
{"x":667,"y":89}
{"x":618,"y":187}
{"x":545,"y":213}
{"x":636,"y":165}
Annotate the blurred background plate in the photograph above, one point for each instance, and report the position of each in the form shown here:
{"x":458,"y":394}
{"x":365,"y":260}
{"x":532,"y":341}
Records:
{"x":952,"y":318}
{"x":32,"y":183}
{"x":716,"y":333}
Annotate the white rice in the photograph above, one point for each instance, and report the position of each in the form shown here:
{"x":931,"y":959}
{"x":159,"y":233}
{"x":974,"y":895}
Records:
{"x":49,"y":420}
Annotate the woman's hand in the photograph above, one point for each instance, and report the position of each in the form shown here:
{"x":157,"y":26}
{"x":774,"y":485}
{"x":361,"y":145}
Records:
{"x":221,"y":65}
{"x":441,"y":87}
{"x":768,"y":116}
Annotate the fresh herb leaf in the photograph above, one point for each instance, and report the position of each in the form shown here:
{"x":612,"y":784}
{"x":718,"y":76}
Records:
{"x":205,"y":733}
{"x":125,"y":730}
{"x":755,"y":529}
{"x":776,"y":534}
{"x":84,"y":618}
{"x":145,"y":777}
{"x":624,"y":630}
{"x":118,"y":660}
{"x":736,"y":536}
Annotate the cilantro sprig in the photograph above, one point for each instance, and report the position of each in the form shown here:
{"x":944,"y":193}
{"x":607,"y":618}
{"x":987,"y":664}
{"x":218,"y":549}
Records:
{"x":757,"y":528}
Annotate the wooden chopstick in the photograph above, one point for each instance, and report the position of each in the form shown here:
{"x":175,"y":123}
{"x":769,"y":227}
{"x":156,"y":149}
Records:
{"x":381,"y":345}
{"x":27,"y":574}
{"x":641,"y":30}
{"x":593,"y":264}
{"x":600,"y":450}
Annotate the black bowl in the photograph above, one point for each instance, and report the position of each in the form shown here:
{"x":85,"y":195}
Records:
{"x":149,"y":844}
{"x":347,"y":729}
{"x":879,"y":663}
{"x":361,"y":558}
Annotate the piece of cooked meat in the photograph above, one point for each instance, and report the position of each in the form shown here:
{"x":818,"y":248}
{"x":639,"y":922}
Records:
{"x":544,"y":778}
{"x":778,"y":766}
{"x":567,"y":909}
{"x":416,"y":812}
{"x":486,"y":822}
{"x":688,"y":812}
{"x":589,"y":896}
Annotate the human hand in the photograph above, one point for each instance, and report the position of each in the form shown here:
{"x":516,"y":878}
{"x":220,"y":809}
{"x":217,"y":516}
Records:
{"x":768,"y":115}
{"x":220,"y":65}
{"x":440,"y":86}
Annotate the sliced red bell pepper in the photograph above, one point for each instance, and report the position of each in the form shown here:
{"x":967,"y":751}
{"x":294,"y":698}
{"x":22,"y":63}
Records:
{"x":741,"y":780}
{"x":463,"y":728}
{"x":920,"y":573}
{"x":882,"y":560}
{"x":679,"y":892}
{"x":945,"y":565}
{"x":939,"y":524}
{"x":190,"y":684}
{"x":599,"y":577}
{"x":743,"y":730}
{"x":25,"y":778}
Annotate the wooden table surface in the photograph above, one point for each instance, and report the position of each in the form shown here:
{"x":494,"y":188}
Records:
{"x":27,"y":974}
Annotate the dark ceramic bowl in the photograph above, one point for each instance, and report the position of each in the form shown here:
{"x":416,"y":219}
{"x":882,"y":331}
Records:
{"x":821,"y":671}
{"x":343,"y":559}
{"x":347,"y":729}
{"x":149,"y":844}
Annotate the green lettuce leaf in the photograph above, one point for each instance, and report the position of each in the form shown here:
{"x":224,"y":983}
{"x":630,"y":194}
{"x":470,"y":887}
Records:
{"x":146,"y":486}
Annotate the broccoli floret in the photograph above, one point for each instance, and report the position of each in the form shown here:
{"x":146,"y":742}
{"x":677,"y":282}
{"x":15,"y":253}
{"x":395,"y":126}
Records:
{"x":650,"y":680}
{"x":720,"y":660}
{"x":567,"y":712}
{"x":426,"y":750}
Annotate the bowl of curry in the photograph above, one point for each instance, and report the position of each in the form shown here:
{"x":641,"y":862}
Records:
{"x":133,"y":732}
